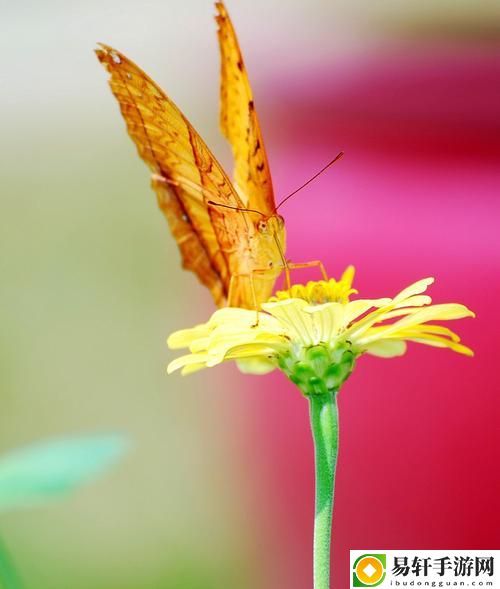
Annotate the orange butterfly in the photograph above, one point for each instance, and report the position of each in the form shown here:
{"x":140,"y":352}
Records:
{"x":229,"y":235}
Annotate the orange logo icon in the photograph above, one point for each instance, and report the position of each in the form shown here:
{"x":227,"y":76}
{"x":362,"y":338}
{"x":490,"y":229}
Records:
{"x":369,"y":570}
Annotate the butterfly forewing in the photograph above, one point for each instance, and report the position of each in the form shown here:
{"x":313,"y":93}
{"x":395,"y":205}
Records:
{"x":239,"y":122}
{"x":186,"y":175}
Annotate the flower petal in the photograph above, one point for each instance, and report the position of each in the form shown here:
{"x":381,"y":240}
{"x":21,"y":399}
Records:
{"x":432,"y":329}
{"x":187,"y":360}
{"x":289,"y":313}
{"x":415,"y":301}
{"x":444,"y":312}
{"x":355,"y":309}
{"x":184,"y":337}
{"x":348,"y":276}
{"x":255,"y":365}
{"x":414,"y":289}
{"x":192,"y":368}
{"x":386,"y":348}
{"x":441,"y":342}
{"x":358,"y":327}
{"x":327,"y":321}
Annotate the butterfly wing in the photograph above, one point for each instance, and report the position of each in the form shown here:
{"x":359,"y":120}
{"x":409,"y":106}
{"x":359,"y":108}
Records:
{"x":186,"y":176}
{"x":192,"y":248}
{"x":239,"y":122}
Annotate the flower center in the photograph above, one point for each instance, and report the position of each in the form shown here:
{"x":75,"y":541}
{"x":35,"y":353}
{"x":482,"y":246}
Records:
{"x":317,"y":293}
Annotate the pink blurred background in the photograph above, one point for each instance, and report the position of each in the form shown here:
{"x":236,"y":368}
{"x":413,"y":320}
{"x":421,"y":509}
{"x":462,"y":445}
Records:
{"x":417,"y":194}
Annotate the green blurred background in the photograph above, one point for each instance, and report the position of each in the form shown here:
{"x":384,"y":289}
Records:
{"x":91,"y":286}
{"x":91,"y":283}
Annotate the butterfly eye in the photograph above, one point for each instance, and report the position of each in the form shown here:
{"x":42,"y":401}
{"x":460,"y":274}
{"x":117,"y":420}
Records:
{"x":262,"y":226}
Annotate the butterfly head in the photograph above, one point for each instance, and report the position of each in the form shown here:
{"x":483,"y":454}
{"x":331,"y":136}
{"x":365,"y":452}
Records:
{"x":271,"y":233}
{"x":272,"y":225}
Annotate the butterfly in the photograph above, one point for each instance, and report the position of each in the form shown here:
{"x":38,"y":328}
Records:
{"x":229,"y":234}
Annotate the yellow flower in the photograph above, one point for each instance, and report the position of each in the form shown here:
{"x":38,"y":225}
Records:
{"x":314,"y":332}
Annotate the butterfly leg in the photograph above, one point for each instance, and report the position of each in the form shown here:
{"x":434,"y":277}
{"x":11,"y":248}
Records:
{"x":232,"y":297}
{"x":312,"y":264}
{"x":288,"y":280}
{"x":230,"y":290}
{"x":254,"y":298}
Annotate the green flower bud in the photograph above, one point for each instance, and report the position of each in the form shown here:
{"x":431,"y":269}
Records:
{"x":319,"y":369}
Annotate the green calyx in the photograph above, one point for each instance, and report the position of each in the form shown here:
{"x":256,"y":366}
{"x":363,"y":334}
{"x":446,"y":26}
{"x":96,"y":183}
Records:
{"x":319,"y":369}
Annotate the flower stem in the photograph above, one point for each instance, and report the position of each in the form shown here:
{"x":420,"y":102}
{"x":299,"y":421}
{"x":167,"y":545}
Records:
{"x":325,"y":430}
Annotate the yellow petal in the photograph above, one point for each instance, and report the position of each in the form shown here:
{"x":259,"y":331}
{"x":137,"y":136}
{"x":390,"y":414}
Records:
{"x":187,"y":360}
{"x":415,"y":301}
{"x":184,"y":337}
{"x":326,"y":321}
{"x":191,"y":368}
{"x":290,"y":313}
{"x":251,"y":349}
{"x":359,"y":327}
{"x":443,"y":312}
{"x":386,"y":348}
{"x":355,"y":309}
{"x":348,"y":276}
{"x":401,"y":312}
{"x":432,"y":329}
{"x":256,"y":365}
{"x":441,"y":342}
{"x":414,"y":289}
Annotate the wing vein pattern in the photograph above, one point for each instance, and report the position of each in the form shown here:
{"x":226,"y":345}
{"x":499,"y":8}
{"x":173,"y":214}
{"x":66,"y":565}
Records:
{"x":185,"y":174}
{"x":239,"y":122}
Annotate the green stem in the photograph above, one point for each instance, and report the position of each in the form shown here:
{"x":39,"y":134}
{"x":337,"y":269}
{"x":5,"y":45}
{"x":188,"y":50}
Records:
{"x":325,"y":430}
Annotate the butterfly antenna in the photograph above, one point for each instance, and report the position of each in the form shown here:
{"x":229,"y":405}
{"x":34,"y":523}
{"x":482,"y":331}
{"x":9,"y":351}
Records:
{"x":335,"y":159}
{"x":242,"y":210}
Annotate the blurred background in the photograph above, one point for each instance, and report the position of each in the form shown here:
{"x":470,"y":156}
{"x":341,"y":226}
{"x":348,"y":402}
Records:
{"x":218,"y":490}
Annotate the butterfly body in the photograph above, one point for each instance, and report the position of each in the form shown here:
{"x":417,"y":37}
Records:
{"x":256,"y":264}
{"x":229,"y":235}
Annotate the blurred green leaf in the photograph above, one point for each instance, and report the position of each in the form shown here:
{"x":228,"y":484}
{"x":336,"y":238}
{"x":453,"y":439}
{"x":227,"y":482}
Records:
{"x":48,"y":470}
{"x":9,"y":577}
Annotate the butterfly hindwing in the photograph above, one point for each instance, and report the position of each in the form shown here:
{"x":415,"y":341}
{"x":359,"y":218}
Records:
{"x":193,"y":254}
